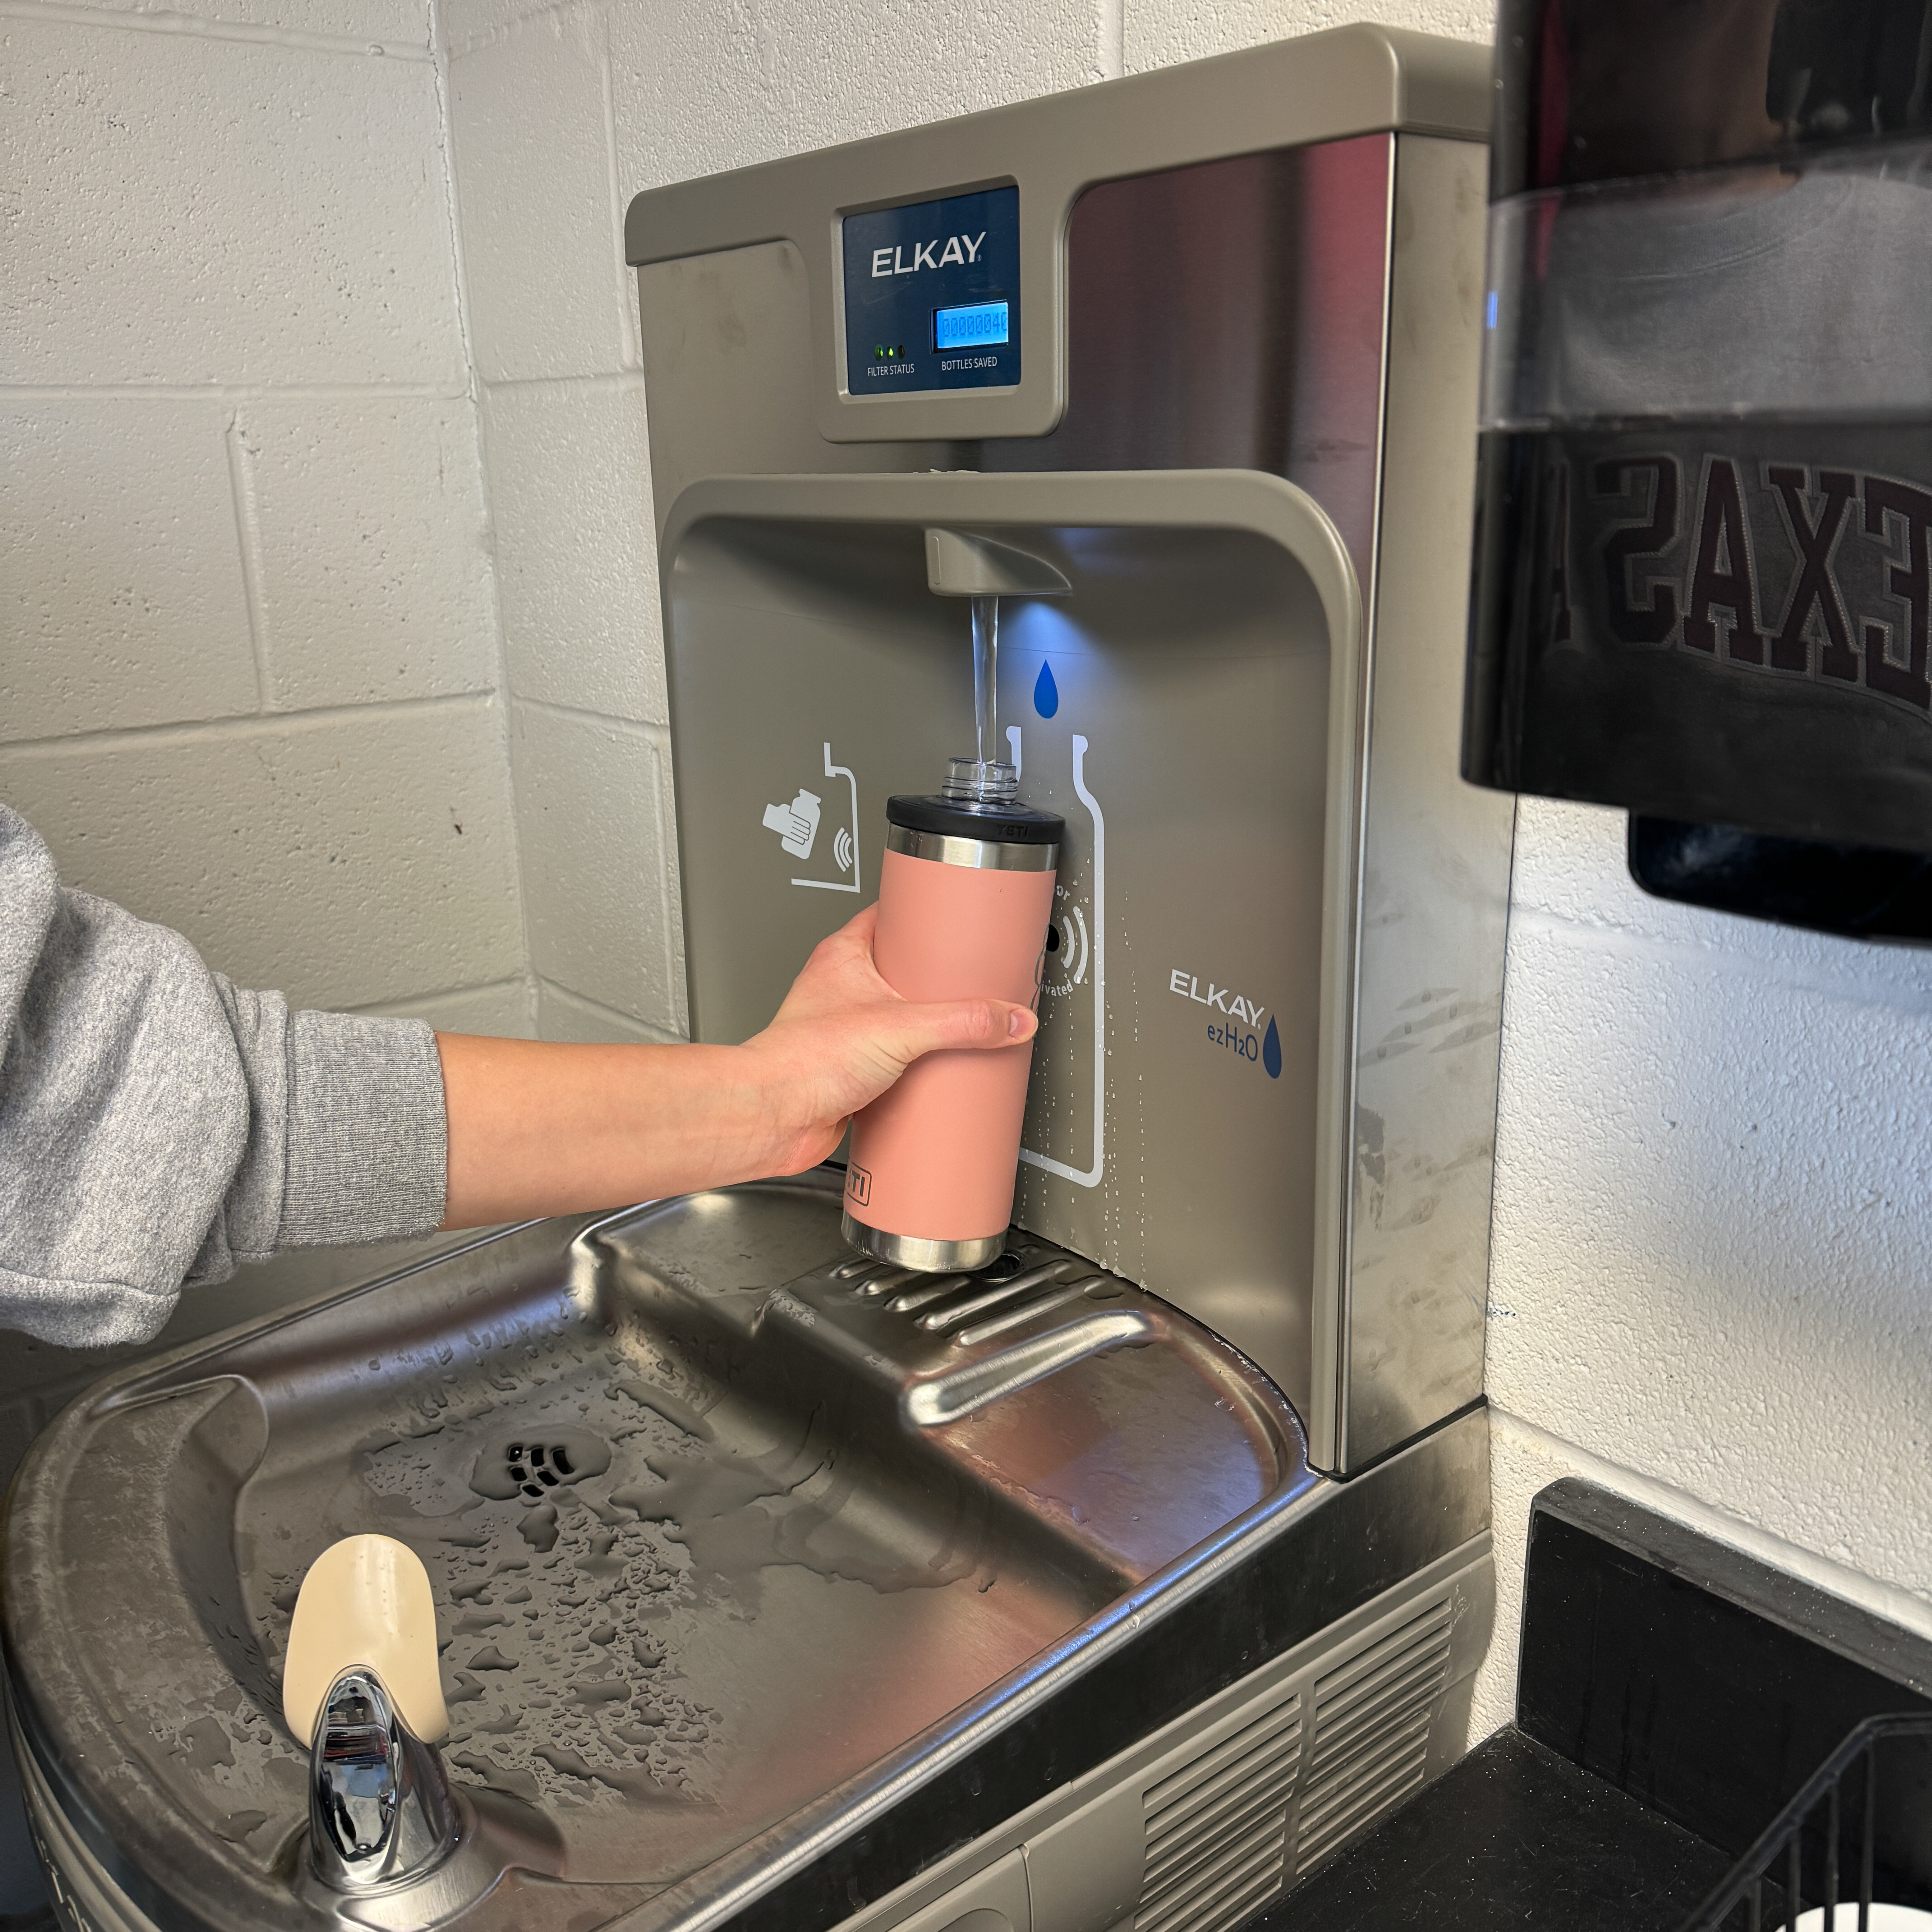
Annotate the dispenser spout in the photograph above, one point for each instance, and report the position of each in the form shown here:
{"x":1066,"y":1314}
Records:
{"x":960,"y":563}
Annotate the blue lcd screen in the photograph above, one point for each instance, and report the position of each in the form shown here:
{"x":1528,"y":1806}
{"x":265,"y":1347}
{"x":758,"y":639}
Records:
{"x":980,"y":326}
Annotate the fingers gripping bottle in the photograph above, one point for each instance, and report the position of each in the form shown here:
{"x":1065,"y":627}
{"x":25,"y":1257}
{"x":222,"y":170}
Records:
{"x":965,"y":892}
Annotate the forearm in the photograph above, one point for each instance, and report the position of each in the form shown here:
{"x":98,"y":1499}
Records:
{"x":536,"y":1127}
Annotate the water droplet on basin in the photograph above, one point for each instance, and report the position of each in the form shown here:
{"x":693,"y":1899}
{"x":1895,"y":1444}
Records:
{"x":1046,"y":692}
{"x":1271,"y":1052}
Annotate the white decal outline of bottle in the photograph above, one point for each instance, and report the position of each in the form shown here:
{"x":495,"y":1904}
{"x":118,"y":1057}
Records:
{"x":845,"y":772}
{"x":1090,"y":1176}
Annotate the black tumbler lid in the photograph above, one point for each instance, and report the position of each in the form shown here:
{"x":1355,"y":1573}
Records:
{"x":1607,"y":90}
{"x":1010,"y":824}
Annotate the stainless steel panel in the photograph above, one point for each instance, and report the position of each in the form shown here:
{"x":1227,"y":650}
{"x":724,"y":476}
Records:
{"x":1230,"y":315}
{"x":1434,"y":870}
{"x":728,"y":370}
{"x":1104,"y":1846}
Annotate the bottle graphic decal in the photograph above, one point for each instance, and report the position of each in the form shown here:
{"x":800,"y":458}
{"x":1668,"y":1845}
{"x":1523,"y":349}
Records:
{"x":1271,"y":1052}
{"x":1046,"y":692}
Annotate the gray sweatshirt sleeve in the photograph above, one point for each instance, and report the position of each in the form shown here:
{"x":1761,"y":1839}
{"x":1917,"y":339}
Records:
{"x":158,"y":1125}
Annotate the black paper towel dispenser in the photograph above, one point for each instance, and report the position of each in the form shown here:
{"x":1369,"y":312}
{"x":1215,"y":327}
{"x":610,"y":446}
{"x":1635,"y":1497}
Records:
{"x":1703,"y":575}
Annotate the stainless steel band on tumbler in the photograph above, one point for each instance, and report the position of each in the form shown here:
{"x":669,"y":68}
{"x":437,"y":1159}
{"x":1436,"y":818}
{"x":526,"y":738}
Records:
{"x":928,"y":1257}
{"x":987,"y":855}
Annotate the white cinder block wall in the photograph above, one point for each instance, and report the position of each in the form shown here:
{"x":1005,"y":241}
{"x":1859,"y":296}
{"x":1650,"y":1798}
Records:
{"x":251,"y":674}
{"x":249,"y":652}
{"x":555,"y":337}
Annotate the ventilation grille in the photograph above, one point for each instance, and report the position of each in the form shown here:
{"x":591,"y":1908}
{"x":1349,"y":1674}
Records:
{"x":1371,"y":1721}
{"x":1217,"y":1828}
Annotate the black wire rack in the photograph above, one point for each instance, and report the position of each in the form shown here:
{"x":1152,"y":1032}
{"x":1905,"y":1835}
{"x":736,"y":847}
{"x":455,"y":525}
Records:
{"x":1821,"y":1851}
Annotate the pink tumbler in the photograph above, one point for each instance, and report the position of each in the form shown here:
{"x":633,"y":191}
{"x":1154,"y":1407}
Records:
{"x":964,"y":900}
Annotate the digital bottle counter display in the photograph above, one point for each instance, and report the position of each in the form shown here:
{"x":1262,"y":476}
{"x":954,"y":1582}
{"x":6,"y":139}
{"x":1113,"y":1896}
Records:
{"x":932,"y":295}
{"x":978,"y":325}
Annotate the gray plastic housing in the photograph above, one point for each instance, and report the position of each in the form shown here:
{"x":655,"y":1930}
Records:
{"x":1248,"y":447}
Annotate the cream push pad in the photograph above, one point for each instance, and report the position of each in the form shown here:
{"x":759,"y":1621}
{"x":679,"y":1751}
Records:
{"x":365,"y":1601}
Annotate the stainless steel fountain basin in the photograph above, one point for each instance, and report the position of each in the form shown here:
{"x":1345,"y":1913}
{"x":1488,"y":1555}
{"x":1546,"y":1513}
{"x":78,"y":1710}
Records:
{"x":722,"y":1537}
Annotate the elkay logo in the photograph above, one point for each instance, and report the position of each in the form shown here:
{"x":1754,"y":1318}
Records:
{"x":963,"y":249}
{"x":1223,"y":999}
{"x":1234,"y":1033}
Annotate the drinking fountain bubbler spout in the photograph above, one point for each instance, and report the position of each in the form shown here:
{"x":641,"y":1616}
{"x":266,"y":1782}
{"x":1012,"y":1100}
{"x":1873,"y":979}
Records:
{"x":360,"y":1688}
{"x":380,"y":1811}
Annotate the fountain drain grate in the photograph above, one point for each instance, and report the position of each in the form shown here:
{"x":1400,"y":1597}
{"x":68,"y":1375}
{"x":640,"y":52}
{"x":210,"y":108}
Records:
{"x":538,"y":1466}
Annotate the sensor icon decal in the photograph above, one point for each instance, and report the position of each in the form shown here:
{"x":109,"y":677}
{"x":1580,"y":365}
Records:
{"x":796,"y":825}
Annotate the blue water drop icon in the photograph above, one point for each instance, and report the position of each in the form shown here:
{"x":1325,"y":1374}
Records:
{"x":1271,"y":1052}
{"x":1046,"y":692}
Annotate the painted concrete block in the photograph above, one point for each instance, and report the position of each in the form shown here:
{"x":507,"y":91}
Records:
{"x":1570,"y":864}
{"x":371,"y":555}
{"x":702,"y":88}
{"x":347,"y":861}
{"x":570,"y":492}
{"x":121,"y":594}
{"x":1712,"y":1217}
{"x":1157,"y":33}
{"x":188,"y":209}
{"x":594,"y":827}
{"x":562,"y":1016}
{"x":506,"y":1010}
{"x":1522,"y":1462}
{"x":542,"y":230}
{"x":397,"y":24}
{"x":468,"y":24}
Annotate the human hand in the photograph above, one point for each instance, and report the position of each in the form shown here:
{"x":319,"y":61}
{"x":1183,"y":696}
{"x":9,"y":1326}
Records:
{"x":541,"y":1127}
{"x":842,"y":1037}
